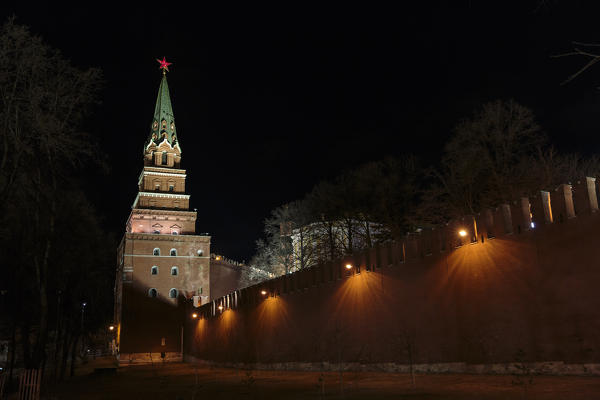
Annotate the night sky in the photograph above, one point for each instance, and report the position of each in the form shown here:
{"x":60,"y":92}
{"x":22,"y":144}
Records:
{"x":268,"y":101}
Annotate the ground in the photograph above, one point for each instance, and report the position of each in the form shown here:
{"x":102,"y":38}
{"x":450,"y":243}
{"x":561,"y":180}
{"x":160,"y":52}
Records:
{"x":186,"y":382}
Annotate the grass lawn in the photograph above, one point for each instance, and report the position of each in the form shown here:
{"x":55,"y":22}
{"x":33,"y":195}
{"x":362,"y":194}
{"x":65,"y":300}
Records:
{"x":186,"y":382}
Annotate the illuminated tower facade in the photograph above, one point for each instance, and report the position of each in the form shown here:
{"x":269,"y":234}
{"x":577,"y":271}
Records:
{"x":161,"y":262}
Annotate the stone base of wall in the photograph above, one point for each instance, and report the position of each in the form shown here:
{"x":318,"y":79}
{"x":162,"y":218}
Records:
{"x":533,"y":368}
{"x":126,"y":359}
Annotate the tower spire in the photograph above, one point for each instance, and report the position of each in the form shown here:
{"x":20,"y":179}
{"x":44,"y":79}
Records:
{"x":163,"y":122}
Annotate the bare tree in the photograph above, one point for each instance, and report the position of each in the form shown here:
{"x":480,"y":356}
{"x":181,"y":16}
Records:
{"x":44,"y":100}
{"x":487,"y":161}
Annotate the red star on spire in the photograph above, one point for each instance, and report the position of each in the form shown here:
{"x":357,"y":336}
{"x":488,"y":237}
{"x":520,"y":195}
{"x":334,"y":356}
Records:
{"x":164,"y":65}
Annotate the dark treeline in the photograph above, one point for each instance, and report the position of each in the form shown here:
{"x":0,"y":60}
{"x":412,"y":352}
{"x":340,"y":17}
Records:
{"x":55,"y":254}
{"x":497,"y":155}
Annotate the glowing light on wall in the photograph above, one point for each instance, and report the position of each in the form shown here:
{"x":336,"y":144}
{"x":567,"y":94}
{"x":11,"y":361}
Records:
{"x":348,"y":266}
{"x":462,"y":233}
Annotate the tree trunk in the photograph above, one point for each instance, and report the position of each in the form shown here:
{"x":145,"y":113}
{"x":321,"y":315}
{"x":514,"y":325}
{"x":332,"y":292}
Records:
{"x":13,"y":348}
{"x":349,"y":248}
{"x":74,"y":355}
{"x":368,"y":234}
{"x":331,"y":241}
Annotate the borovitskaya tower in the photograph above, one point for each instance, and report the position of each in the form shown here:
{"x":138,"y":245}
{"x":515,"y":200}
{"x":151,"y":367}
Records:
{"x":161,"y":262}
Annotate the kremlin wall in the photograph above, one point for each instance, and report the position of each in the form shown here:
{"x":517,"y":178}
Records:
{"x":520,"y":288}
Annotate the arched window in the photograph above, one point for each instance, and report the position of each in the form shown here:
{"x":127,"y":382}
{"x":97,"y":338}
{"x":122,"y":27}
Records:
{"x":152,"y":292}
{"x":174,"y":252}
{"x":173,"y":293}
{"x":174,"y":271}
{"x":154,"y":270}
{"x":164,"y":158}
{"x":156,"y":252}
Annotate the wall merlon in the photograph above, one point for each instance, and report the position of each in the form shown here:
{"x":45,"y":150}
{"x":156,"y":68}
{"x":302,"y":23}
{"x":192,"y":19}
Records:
{"x":592,"y":193}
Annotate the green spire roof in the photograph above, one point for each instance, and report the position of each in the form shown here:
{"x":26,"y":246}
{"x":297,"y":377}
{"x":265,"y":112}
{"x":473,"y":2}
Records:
{"x":163,"y":123}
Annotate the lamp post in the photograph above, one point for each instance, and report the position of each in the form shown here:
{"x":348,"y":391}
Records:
{"x":82,"y":314}
{"x":82,"y":319}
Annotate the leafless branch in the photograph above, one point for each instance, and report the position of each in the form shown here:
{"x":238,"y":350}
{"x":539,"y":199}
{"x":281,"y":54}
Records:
{"x":594,"y":58}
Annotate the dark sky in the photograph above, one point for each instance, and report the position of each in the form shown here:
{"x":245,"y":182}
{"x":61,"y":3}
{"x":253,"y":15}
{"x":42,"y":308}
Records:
{"x":270,"y":101}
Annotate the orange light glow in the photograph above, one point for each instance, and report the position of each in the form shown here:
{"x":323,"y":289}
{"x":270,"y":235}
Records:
{"x":348,"y":266}
{"x":194,"y":315}
{"x":263,"y":292}
{"x":220,"y":308}
{"x":111,"y":328}
{"x":462,"y":233}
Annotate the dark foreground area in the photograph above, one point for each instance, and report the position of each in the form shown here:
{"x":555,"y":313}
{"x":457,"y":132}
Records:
{"x":187,"y":382}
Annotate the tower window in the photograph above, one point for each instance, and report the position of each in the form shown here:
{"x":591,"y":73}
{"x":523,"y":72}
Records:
{"x":173,"y":293}
{"x":174,"y":252}
{"x":174,"y":271}
{"x":200,"y":253}
{"x":164,"y":157}
{"x":152,"y":292}
{"x":171,"y":188}
{"x":164,"y":124}
{"x":154,"y":270}
{"x":156,"y":251}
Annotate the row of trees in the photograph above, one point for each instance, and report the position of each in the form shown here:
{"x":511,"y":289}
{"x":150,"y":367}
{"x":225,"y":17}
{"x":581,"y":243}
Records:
{"x":495,"y":156}
{"x":55,"y":254}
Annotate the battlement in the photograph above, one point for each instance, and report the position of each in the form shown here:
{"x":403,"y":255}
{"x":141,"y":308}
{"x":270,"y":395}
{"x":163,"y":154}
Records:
{"x":523,"y":216}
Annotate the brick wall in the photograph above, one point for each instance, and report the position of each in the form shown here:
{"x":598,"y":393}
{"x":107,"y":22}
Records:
{"x":506,"y":291}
